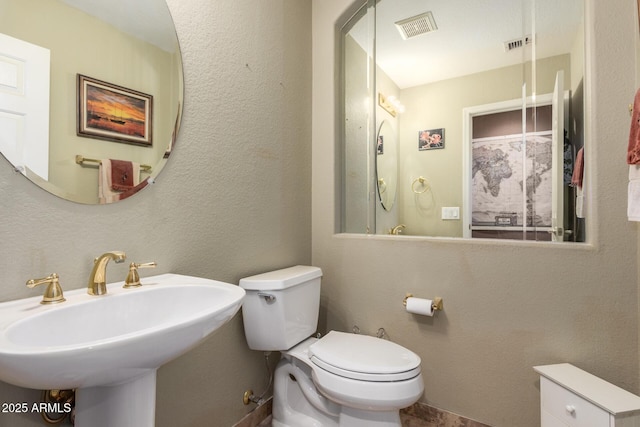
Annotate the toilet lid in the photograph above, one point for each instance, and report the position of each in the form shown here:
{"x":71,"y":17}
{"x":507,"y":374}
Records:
{"x":363,"y":357}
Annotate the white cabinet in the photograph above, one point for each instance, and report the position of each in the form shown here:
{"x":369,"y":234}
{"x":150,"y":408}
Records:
{"x":571,"y":397}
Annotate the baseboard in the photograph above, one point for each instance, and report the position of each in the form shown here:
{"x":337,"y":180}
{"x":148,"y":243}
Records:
{"x":257,"y":416}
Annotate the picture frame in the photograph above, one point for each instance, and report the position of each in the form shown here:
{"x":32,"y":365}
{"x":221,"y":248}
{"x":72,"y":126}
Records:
{"x":113,"y":113}
{"x":431,"y":139}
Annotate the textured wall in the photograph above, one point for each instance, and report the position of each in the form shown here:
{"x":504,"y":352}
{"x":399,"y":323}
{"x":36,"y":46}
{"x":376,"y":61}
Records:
{"x":234,"y":199}
{"x":508,"y":306}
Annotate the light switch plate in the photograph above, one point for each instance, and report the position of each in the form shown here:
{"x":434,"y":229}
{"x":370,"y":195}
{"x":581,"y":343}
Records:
{"x":451,"y":213}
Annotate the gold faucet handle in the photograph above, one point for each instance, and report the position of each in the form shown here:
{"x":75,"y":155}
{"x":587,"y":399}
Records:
{"x":133,"y":278}
{"x":53,"y":293}
{"x":397,"y":229}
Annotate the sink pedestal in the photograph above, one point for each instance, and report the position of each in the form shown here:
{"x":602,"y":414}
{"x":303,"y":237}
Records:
{"x":130,"y":404}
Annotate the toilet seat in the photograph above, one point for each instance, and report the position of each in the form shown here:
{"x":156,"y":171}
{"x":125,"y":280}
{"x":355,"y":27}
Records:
{"x":364,"y":358}
{"x":366,"y":373}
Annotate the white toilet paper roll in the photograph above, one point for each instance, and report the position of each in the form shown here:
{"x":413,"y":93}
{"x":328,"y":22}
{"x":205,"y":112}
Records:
{"x":421,"y":306}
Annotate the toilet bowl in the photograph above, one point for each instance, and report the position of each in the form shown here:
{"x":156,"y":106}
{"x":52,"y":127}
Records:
{"x":364,"y":372}
{"x":341,"y":379}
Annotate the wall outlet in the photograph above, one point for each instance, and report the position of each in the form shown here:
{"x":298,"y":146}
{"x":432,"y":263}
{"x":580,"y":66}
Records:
{"x":451,"y":213}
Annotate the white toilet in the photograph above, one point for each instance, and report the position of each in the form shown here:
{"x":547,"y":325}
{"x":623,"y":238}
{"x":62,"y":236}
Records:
{"x":342,"y":379}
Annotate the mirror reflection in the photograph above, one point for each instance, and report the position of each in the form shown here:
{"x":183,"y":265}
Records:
{"x":387,"y":164}
{"x":485,"y":100}
{"x":90,"y":94}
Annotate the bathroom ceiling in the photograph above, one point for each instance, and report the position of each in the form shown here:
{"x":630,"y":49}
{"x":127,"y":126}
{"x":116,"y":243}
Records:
{"x":147,"y":20}
{"x":470,"y":37}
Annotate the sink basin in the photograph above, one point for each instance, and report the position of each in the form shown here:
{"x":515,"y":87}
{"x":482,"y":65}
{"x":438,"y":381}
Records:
{"x":93,"y":342}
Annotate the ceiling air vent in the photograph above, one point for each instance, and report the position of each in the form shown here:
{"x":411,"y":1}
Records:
{"x":416,"y":25}
{"x":517,"y":43}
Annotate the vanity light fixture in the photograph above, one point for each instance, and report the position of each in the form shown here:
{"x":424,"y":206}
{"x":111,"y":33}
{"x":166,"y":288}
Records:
{"x":390,"y":104}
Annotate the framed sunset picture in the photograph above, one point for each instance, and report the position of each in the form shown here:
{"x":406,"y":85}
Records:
{"x":114,"y":113}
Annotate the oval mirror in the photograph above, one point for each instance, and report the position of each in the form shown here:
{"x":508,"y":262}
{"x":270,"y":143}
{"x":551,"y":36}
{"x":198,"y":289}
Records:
{"x":90,"y":94}
{"x":387,"y":164}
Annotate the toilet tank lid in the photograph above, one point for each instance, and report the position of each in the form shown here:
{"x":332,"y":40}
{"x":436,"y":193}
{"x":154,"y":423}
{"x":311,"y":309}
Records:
{"x":280,"y":279}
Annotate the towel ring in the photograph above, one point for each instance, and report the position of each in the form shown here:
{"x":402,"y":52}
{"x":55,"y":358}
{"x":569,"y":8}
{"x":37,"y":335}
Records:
{"x":422,"y":182}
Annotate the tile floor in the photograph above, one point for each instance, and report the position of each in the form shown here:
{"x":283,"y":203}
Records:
{"x":418,"y":415}
{"x":410,"y":421}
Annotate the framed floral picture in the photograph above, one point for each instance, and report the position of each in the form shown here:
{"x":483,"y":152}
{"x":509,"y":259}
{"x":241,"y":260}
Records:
{"x":431,"y":139}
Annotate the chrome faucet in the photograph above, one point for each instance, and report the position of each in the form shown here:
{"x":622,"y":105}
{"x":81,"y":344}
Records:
{"x":397,"y":229}
{"x":98,"y":278}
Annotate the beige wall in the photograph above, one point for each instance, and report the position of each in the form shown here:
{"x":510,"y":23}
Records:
{"x":233,"y":200}
{"x":508,"y":306}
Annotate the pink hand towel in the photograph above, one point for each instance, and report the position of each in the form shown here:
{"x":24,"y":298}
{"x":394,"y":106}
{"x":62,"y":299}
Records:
{"x":633,"y":152}
{"x":578,"y":169}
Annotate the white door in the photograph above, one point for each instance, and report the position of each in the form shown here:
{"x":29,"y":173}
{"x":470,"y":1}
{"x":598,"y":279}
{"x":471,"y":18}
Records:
{"x":557,"y":164}
{"x":24,"y":105}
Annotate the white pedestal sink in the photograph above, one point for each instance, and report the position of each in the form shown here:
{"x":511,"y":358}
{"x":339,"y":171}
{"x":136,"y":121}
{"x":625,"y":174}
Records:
{"x":109,"y":347}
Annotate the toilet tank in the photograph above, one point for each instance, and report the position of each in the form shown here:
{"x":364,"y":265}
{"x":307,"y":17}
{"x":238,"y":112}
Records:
{"x":280,"y":308}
